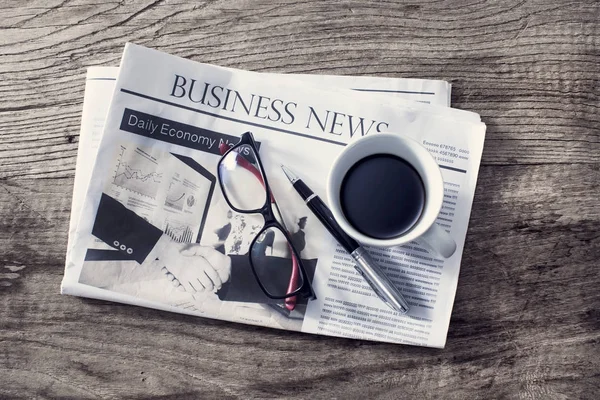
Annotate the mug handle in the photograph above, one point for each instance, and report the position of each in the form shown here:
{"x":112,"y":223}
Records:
{"x":439,"y":240}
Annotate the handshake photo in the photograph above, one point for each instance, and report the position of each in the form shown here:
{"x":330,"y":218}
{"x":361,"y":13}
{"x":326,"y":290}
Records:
{"x":191,"y":267}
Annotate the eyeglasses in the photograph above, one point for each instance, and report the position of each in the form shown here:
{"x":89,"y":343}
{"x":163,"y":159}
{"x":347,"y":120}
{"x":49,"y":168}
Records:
{"x":274,"y":260}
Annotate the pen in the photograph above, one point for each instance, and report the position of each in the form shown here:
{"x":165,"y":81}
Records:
{"x":381,"y":284}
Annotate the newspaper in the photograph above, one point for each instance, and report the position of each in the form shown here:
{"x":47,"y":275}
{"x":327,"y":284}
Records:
{"x":153,"y":194}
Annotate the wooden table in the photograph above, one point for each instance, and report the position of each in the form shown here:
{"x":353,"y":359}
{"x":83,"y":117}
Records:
{"x":526,"y":320}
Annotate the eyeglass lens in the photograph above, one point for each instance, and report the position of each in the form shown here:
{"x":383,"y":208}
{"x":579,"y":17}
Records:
{"x":275,"y":263}
{"x":242,"y":179}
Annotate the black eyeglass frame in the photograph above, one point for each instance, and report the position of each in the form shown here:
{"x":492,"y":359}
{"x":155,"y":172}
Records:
{"x":271,"y":221}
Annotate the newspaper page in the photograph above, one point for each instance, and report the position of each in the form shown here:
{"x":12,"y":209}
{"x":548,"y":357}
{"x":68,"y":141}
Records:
{"x":99,"y":89}
{"x":153,"y":209}
{"x":100,"y":83}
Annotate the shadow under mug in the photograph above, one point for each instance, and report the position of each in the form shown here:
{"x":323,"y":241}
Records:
{"x":416,"y":155}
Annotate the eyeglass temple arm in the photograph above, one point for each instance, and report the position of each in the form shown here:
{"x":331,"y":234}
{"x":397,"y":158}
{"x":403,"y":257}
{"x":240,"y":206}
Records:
{"x":290,"y":302}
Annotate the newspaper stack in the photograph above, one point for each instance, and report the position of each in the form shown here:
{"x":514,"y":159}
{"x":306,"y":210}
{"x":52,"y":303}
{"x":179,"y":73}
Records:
{"x":147,"y":205}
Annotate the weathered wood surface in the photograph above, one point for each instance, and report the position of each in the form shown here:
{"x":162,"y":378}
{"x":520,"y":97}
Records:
{"x":526,"y":321}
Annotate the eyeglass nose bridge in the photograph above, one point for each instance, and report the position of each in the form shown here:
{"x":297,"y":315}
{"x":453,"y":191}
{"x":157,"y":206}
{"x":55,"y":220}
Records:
{"x":277,"y":215}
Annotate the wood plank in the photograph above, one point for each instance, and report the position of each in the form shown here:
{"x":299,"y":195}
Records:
{"x":525,"y":321}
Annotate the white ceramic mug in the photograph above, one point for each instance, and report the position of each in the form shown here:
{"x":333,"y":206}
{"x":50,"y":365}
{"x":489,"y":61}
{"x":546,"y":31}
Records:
{"x":423,"y":162}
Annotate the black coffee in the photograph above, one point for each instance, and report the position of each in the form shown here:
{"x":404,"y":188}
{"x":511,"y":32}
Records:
{"x":382,"y":196}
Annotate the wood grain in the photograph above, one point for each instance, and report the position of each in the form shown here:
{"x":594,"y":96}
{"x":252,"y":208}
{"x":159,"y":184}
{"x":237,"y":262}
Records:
{"x":526,"y":320}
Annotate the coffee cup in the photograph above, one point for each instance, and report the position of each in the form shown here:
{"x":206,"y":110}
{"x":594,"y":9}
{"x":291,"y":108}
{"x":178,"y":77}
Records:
{"x":386,"y":190}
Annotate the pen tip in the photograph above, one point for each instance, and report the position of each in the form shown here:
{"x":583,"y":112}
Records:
{"x":289,"y":174}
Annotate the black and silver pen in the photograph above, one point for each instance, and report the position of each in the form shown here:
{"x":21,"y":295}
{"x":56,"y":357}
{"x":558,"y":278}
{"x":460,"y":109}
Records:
{"x":365,"y":265}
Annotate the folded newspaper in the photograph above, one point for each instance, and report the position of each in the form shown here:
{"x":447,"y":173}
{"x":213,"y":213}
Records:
{"x":151,"y":208}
